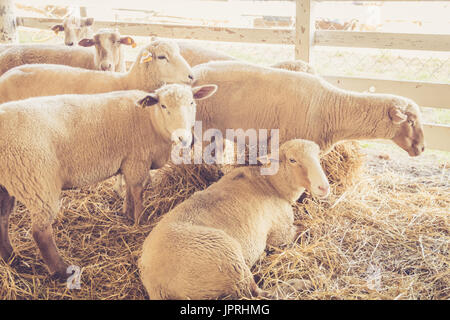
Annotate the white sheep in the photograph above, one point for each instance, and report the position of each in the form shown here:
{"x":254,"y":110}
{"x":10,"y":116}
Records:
{"x":75,"y":29}
{"x":304,"y":106}
{"x":158,"y":63}
{"x":107,"y":55}
{"x":50,"y":144}
{"x":205,"y":247}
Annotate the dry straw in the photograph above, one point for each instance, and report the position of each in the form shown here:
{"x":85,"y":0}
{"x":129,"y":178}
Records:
{"x":381,"y":235}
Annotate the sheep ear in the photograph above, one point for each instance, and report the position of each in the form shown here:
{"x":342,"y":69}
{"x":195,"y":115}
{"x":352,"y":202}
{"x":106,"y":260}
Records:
{"x":86,"y":22}
{"x":86,"y":42}
{"x":57,"y":28}
{"x":128,"y":41}
{"x":148,"y":101}
{"x":147,"y":56}
{"x":267,"y":159}
{"x":397,"y":116}
{"x":203,"y":92}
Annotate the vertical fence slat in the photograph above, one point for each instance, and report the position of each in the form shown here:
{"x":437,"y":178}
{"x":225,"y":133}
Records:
{"x":7,"y":22}
{"x":304,"y":29}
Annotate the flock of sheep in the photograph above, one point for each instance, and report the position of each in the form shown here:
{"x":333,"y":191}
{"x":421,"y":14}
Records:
{"x":72,"y":116}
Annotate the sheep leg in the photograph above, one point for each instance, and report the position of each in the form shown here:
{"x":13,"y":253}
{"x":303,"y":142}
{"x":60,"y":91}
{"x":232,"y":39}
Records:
{"x":283,"y":231}
{"x":6,"y":207}
{"x":46,"y":243}
{"x":135,"y":173}
{"x":134,"y":206}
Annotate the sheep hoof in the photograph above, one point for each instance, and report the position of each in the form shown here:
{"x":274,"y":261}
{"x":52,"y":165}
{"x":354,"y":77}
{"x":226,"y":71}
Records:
{"x":6,"y":252}
{"x":61,"y":275}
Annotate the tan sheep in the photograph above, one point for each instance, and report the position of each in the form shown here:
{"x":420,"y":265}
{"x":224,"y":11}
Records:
{"x":195,"y":55}
{"x":304,"y":106}
{"x":158,"y":63}
{"x":56,"y":143}
{"x":107,"y":56}
{"x":205,"y":247}
{"x":75,"y":29}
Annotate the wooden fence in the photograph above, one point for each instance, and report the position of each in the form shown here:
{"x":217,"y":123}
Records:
{"x":305,"y":37}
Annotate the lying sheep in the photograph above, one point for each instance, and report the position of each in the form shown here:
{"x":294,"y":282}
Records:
{"x":107,"y":56}
{"x":304,"y":106}
{"x":75,"y":29}
{"x":87,"y":138}
{"x":158,"y":63}
{"x":205,"y":247}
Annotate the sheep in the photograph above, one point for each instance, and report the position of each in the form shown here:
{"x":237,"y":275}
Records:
{"x":195,"y":55}
{"x":107,"y":56}
{"x":304,"y":106}
{"x":158,"y":63}
{"x":75,"y":29}
{"x":50,"y":144}
{"x":204,"y":248}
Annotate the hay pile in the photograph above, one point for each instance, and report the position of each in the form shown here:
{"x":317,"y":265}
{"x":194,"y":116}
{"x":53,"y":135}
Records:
{"x":383,"y":235}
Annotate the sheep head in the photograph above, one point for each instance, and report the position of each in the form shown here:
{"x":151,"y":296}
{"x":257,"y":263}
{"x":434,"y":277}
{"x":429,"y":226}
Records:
{"x":406,"y":118}
{"x":299,"y":169}
{"x":74,"y":28}
{"x":174,"y":110}
{"x":108,"y":48}
{"x":161,"y":60}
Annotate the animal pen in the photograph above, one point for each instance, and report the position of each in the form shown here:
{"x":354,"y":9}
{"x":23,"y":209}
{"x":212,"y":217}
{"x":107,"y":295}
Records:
{"x":382,"y":234}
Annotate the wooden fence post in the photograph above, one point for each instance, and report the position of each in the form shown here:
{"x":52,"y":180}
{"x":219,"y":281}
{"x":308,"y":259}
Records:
{"x":304,"y":30}
{"x":7,"y":22}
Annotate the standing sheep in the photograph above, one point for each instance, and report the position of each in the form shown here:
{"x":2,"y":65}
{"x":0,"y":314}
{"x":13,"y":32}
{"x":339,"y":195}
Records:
{"x":158,"y":63}
{"x":195,"y":55}
{"x":304,"y":106}
{"x":50,"y":144}
{"x":205,"y":247}
{"x":107,"y":56}
{"x":75,"y":29}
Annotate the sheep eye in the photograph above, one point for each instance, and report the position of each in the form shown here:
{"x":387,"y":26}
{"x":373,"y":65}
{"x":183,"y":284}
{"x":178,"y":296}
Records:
{"x":163,"y":106}
{"x":292,"y":160}
{"x":162,"y":57}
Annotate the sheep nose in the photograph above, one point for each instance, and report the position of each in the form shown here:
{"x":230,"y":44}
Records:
{"x":324,"y":189}
{"x":69,"y":43}
{"x":105,"y":66}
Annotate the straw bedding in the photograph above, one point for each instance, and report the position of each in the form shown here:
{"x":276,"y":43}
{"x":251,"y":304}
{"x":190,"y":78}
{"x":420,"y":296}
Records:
{"x":383,"y":234}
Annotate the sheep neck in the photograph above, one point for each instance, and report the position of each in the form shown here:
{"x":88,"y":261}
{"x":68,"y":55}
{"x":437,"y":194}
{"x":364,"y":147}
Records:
{"x":280,"y":184}
{"x":347,"y":115}
{"x":138,"y":78}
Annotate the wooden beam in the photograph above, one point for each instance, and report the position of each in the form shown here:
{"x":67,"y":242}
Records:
{"x":437,"y":136}
{"x":8,"y":32}
{"x":304,"y":30}
{"x":381,"y":0}
{"x":382,"y":40}
{"x":253,"y":35}
{"x":425,"y":94}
